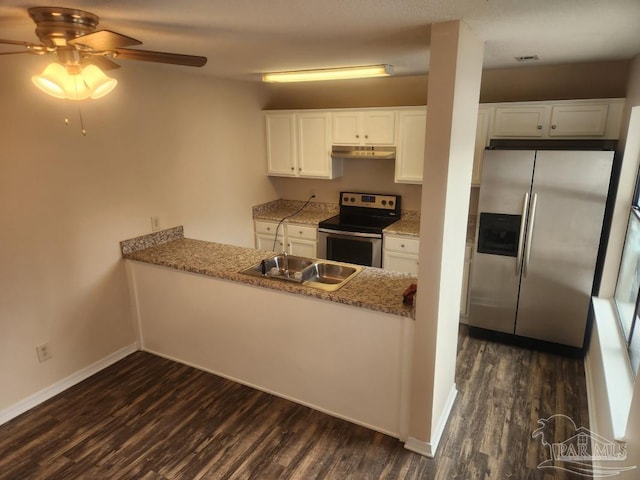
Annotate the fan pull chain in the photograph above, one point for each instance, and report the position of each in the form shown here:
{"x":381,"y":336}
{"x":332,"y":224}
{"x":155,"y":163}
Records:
{"x":84,"y":132}
{"x":82,"y":129}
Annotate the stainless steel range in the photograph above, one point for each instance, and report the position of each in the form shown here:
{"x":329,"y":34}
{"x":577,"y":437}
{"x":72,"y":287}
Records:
{"x":355,"y":235}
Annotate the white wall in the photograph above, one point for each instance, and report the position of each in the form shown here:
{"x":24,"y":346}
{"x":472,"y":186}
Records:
{"x":167,"y":142}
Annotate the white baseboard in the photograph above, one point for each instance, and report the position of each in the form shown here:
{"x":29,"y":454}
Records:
{"x":68,"y":382}
{"x":428,"y":449}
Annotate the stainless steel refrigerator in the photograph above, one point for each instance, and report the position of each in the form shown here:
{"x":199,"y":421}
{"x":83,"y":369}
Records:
{"x":540,"y":217}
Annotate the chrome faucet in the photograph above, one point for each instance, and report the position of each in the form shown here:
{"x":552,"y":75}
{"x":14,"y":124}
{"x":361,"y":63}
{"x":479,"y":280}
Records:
{"x":285,"y":263}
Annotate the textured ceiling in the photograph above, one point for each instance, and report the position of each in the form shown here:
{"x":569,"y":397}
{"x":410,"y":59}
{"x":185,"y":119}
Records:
{"x":243,"y":38}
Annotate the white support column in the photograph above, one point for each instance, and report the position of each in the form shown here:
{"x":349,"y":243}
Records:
{"x":454,"y":89}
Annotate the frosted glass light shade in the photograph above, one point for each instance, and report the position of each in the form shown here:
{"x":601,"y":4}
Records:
{"x":52,"y":80}
{"x":56,"y":81}
{"x":76,"y":88}
{"x":97,"y":82}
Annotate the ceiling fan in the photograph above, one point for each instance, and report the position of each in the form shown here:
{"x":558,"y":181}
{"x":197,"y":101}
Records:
{"x":83,"y":53}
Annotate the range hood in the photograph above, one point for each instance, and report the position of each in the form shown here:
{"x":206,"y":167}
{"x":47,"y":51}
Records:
{"x":346,"y":151}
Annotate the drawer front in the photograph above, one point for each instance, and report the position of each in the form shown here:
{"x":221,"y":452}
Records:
{"x":402,"y":244}
{"x":268,"y":228}
{"x":302,"y":231}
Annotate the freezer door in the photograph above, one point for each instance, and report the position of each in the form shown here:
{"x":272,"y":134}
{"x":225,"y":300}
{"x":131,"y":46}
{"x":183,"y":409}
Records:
{"x":495,"y":278}
{"x":569,"y":192}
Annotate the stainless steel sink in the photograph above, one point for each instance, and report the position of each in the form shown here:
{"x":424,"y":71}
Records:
{"x":323,"y":274}
{"x":328,"y":273}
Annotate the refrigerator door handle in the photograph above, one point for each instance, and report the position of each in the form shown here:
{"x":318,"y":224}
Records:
{"x":523,"y":223}
{"x":532,"y":219}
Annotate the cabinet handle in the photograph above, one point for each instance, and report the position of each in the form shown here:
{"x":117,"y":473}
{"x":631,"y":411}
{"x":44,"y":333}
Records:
{"x":299,"y":169}
{"x":292,"y":168}
{"x":366,"y":136}
{"x":357,"y":135}
{"x":268,"y":229}
{"x":554,"y":127}
{"x":402,"y":245}
{"x":300,"y":232}
{"x":539,"y":127}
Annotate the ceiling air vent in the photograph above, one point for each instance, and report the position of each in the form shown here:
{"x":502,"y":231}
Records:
{"x":527,"y":58}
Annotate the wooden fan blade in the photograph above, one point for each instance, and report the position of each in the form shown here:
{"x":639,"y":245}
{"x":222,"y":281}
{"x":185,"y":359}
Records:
{"x":101,"y":62}
{"x":160,"y":57}
{"x":104,"y":40}
{"x":15,"y":53}
{"x":18,"y":42}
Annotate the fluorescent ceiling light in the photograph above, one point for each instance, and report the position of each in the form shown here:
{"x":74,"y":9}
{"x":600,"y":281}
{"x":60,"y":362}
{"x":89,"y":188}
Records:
{"x":329,"y":74}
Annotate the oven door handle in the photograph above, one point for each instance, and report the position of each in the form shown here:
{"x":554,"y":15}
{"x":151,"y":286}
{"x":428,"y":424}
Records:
{"x":350,"y":234}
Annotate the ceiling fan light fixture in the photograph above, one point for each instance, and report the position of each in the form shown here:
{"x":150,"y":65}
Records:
{"x":341,"y":73}
{"x":56,"y":81}
{"x":52,"y":80}
{"x":98,"y":83}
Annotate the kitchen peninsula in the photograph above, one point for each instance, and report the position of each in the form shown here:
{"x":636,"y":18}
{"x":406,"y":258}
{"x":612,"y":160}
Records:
{"x":346,"y":353}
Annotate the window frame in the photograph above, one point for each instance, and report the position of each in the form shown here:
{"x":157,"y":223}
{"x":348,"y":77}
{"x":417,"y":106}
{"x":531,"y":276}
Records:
{"x":633,"y":355}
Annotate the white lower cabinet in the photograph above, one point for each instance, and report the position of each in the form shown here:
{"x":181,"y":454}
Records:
{"x":266,"y":234}
{"x":296,"y":239}
{"x":400,"y":253}
{"x":302,"y":240}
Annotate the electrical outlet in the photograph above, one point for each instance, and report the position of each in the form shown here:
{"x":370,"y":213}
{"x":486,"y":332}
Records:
{"x":155,"y":224}
{"x":44,"y":352}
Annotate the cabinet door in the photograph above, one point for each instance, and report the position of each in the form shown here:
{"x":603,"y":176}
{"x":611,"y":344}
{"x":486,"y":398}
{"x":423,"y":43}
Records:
{"x":265,"y":242}
{"x":578,"y":120}
{"x":266,"y":232}
{"x":411,"y":142}
{"x":346,"y":128}
{"x":281,"y":144}
{"x":482,"y":135}
{"x":303,"y":248}
{"x":378,"y":127}
{"x":520,"y":121}
{"x":314,"y":145}
{"x":400,"y":262}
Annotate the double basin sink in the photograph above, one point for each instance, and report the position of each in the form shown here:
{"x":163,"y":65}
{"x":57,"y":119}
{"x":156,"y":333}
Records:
{"x":323,"y":274}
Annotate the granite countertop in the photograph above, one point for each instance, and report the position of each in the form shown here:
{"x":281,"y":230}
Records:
{"x":312,"y":214}
{"x":373,"y":288}
{"x":409,"y":225}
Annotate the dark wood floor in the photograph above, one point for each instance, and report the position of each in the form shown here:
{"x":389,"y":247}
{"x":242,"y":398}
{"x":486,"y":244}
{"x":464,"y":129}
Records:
{"x":149,"y":418}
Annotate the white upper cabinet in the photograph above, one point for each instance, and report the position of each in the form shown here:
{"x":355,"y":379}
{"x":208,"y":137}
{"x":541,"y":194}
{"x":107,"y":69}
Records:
{"x":366,"y":127}
{"x":578,"y":120}
{"x":482,"y":140}
{"x":299,"y":145}
{"x":299,"y":142}
{"x":314,"y":144}
{"x":520,"y":121}
{"x":410,"y":134}
{"x":281,"y":144}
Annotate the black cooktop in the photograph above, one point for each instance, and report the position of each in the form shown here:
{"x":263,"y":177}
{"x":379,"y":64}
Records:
{"x":364,"y":212}
{"x":357,"y":223}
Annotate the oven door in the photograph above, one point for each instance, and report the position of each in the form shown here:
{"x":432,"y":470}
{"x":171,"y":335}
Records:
{"x":350,"y":247}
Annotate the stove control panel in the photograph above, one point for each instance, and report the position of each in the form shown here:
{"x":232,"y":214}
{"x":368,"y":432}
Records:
{"x":369,"y":200}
